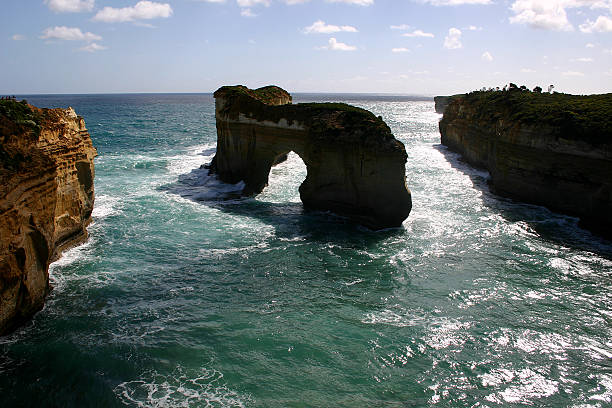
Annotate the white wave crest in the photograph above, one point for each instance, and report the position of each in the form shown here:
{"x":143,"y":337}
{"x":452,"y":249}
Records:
{"x":184,"y":163}
{"x":181,"y":388}
{"x":106,"y":206}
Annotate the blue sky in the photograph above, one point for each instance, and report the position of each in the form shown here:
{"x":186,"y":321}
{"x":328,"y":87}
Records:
{"x":424,"y":47}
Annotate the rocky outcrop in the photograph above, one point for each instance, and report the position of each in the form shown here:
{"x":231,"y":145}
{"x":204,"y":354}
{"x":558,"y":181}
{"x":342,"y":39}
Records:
{"x":46,"y":200}
{"x":551,"y":150}
{"x":355,"y":167}
{"x":441,"y":102}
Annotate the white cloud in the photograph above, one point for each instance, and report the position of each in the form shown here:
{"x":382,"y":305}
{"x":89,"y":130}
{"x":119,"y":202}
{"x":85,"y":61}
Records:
{"x":474,"y":28}
{"x":247,"y":4}
{"x":603,"y":24}
{"x":590,"y":45}
{"x":68,"y":34}
{"x":398,"y":50}
{"x":334,"y":45}
{"x":400,"y":27}
{"x":93,"y":47}
{"x":247,"y":13}
{"x":292,"y":2}
{"x":253,"y":3}
{"x":356,"y":78}
{"x":583,"y":59}
{"x":486,"y":56}
{"x":547,"y":14}
{"x":143,"y":10}
{"x":552,"y":14}
{"x":70,"y":6}
{"x":453,"y":40}
{"x":527,"y":71}
{"x":418,"y":33}
{"x":18,"y":37}
{"x":455,"y":2}
{"x":319,"y":27}
{"x":572,"y":74}
{"x":357,"y":2}
{"x":411,"y":74}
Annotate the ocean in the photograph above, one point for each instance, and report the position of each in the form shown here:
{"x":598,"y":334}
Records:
{"x":187,"y":296}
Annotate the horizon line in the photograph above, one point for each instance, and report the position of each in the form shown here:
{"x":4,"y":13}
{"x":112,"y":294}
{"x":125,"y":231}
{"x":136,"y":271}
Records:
{"x":210,"y":93}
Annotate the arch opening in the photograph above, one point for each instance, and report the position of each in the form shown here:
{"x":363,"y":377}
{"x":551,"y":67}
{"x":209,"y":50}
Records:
{"x":284,"y":179}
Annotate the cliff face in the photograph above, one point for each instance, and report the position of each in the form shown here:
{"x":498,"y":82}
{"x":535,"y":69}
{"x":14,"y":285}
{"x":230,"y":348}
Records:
{"x":46,"y":200}
{"x":537,"y":153}
{"x":355,"y":167}
{"x":441,"y":102}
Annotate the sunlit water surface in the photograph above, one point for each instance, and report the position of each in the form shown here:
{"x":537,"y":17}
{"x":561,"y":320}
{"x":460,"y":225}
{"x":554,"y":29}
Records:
{"x":186,"y":296}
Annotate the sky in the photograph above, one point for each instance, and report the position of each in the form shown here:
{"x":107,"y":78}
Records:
{"x":422,"y":47}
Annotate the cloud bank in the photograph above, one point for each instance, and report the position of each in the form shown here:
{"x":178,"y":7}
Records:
{"x":70,"y":6}
{"x":143,"y":10}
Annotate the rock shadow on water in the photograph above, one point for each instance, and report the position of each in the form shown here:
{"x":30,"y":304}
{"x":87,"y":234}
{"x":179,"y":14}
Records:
{"x":290,"y":220}
{"x":559,"y":228}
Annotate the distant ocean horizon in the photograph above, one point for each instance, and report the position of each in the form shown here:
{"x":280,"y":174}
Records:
{"x":185,"y":295}
{"x":296,"y":95}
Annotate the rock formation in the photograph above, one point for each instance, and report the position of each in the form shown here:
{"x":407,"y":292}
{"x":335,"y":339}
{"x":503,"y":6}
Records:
{"x":552,"y":150}
{"x":440,"y":103}
{"x":355,"y":167}
{"x":46,"y":200}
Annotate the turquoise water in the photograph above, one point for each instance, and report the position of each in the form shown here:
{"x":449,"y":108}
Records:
{"x":187,"y":296}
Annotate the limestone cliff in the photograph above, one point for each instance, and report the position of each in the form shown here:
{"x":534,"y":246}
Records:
{"x":355,"y":167}
{"x":440,"y":103}
{"x":551,"y":150}
{"x":46,"y":200}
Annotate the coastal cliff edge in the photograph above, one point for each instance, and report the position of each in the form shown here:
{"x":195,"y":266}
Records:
{"x":553,"y":150}
{"x":46,"y":200}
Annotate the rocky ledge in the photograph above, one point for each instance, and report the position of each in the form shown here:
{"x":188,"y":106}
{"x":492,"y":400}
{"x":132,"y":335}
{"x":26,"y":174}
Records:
{"x":46,"y":200}
{"x":441,"y":102}
{"x":548,"y":149}
{"x":355,"y":166}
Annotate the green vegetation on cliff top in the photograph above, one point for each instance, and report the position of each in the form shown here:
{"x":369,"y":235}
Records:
{"x":338,"y":122}
{"x":19,"y":113}
{"x":16,"y":119}
{"x":576,"y":117}
{"x":271,"y":93}
{"x":334,"y":106}
{"x":266,"y":94}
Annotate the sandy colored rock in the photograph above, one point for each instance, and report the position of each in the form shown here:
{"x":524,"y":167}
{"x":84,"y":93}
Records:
{"x":46,"y":200}
{"x":355,"y":167}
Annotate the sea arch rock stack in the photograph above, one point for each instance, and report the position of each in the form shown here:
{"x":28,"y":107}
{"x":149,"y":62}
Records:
{"x":46,"y":200}
{"x":355,"y":166}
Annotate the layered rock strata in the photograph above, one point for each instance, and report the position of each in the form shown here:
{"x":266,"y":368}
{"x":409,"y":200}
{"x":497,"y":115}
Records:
{"x":551,"y":150}
{"x":355,"y":167}
{"x":46,"y":200}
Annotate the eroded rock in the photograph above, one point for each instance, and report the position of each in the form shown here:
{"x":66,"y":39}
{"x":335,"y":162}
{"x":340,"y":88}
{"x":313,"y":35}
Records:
{"x":355,"y":166}
{"x":548,"y":149}
{"x":46,"y":200}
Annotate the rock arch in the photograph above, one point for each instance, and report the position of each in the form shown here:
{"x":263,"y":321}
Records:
{"x":355,"y":167}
